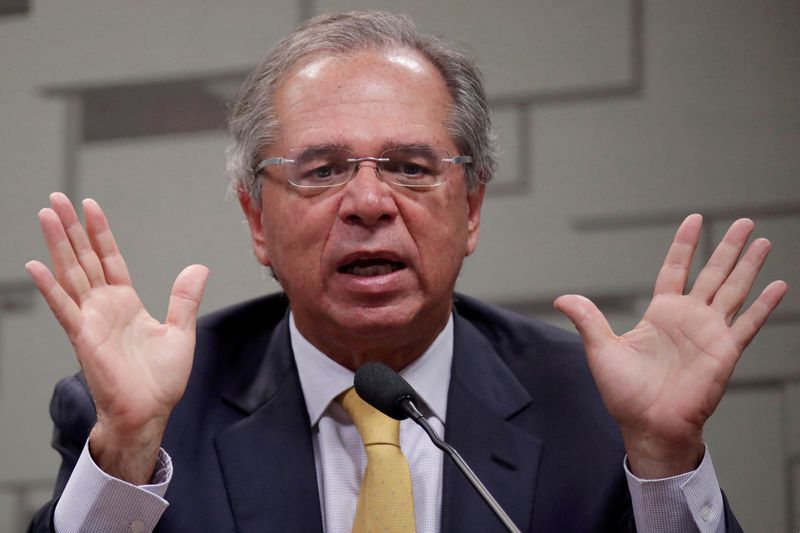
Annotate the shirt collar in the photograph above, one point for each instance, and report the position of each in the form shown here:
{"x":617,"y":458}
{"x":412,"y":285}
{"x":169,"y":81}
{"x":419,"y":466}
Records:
{"x":323,"y":379}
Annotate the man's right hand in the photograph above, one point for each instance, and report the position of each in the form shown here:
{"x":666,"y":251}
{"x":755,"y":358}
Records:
{"x":136,"y":367}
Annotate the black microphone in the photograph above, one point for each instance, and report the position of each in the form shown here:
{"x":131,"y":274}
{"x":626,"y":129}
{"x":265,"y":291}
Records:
{"x":387,"y":391}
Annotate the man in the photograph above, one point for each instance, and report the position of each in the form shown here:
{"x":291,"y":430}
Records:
{"x":361,"y":149}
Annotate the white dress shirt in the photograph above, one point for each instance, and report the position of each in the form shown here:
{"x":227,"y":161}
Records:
{"x":93,"y":501}
{"x":338,"y":451}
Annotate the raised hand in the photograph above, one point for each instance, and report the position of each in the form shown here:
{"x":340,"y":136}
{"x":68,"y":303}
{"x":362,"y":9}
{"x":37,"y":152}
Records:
{"x":663,"y":379}
{"x":136,"y":367}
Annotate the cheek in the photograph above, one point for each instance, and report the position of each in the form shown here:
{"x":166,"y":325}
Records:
{"x":296,"y":235}
{"x":453,"y":219}
{"x":440,"y":233}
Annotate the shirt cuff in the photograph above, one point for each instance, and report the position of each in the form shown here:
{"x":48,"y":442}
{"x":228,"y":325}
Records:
{"x":687,"y":502}
{"x":93,"y":501}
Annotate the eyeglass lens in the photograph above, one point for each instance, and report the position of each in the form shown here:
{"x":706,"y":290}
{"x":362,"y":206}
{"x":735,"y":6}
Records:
{"x":410,"y":167}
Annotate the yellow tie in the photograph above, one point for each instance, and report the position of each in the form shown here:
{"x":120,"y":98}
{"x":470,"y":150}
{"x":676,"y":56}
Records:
{"x":385,"y":500}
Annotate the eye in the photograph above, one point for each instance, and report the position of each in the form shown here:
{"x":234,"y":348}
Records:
{"x":323,"y":172}
{"x":406,"y":168}
{"x":411,"y":169}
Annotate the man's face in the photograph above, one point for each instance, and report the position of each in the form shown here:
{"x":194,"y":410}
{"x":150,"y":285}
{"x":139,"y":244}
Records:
{"x":367,"y":266}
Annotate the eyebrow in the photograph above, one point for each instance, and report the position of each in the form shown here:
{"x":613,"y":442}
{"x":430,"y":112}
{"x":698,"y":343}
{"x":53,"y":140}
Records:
{"x":316,"y":149}
{"x":397,"y":145}
{"x":309,"y":152}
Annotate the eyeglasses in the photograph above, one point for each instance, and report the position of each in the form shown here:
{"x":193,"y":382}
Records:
{"x":316,"y":169}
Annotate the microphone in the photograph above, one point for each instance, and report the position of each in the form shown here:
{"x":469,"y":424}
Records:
{"x":387,"y":391}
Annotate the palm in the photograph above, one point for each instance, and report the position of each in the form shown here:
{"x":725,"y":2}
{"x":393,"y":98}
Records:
{"x":134,"y":365}
{"x":652,"y":372}
{"x":663,"y":379}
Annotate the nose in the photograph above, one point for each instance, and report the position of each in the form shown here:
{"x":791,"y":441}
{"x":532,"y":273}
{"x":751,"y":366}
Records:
{"x":367,"y":200}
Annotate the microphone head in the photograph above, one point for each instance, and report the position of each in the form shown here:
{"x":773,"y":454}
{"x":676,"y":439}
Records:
{"x":384,"y":389}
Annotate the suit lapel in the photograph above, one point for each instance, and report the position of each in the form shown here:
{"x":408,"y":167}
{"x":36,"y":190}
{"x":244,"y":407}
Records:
{"x":267,"y":458}
{"x":483,"y":397}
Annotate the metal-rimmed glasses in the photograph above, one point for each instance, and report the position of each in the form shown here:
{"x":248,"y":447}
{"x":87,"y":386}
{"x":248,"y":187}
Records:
{"x":315,"y":169}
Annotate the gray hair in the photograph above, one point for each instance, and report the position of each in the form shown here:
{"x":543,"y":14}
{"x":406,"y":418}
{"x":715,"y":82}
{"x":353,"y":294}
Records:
{"x":253,"y":124}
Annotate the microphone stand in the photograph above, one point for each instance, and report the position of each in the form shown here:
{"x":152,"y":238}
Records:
{"x":408,"y":406}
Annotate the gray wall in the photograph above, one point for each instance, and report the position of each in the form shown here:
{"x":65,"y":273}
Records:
{"x":616,"y":119}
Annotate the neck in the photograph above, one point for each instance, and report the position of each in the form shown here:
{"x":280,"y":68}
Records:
{"x":397,"y":347}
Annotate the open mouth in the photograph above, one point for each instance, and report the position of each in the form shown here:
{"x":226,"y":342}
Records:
{"x":371,"y":267}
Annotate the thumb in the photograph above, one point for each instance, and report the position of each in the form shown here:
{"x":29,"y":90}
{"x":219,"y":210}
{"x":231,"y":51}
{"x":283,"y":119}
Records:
{"x":184,"y":300}
{"x":587,"y":318}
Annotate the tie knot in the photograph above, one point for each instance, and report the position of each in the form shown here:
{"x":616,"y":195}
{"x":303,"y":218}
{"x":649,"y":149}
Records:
{"x":373,"y":426}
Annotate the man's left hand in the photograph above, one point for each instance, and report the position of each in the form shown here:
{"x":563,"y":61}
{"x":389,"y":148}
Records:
{"x":663,"y":379}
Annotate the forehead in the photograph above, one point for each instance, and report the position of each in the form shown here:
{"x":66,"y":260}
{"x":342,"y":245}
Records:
{"x":364,"y":100}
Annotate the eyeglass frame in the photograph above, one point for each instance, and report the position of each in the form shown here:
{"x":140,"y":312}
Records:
{"x":356,"y":161}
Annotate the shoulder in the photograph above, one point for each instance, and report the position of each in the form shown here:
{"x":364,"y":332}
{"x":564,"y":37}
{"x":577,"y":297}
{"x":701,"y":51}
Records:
{"x":252,"y":315}
{"x":545,"y":359}
{"x":237,"y":327}
{"x":510,"y":330}
{"x":72,"y":408}
{"x":233,"y":340}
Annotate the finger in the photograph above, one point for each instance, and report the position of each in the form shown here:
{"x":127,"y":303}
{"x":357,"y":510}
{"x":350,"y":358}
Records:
{"x":78,"y":239}
{"x":730,"y":297}
{"x":184,"y":300}
{"x":588,"y":320}
{"x":675,"y":271}
{"x":68,"y":271}
{"x":722,"y":261}
{"x":749,"y":323}
{"x":63,"y":306}
{"x":104,"y":244}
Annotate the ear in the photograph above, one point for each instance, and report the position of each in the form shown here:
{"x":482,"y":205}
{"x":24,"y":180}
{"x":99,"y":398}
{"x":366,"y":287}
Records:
{"x":254,"y":213}
{"x":474,"y":203}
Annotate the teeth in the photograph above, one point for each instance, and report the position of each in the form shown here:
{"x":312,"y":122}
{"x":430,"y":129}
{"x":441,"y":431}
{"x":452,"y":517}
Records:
{"x":371,"y":267}
{"x":371,"y":270}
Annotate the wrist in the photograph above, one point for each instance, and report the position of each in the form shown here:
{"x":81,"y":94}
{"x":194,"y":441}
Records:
{"x":131,"y":455}
{"x":654,"y":458}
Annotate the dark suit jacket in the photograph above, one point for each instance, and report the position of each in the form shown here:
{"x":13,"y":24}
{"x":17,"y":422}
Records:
{"x":523,"y":411}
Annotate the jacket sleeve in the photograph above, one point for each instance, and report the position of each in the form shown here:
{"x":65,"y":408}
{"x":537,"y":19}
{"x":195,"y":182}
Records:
{"x":73,"y":414}
{"x":731,"y":525}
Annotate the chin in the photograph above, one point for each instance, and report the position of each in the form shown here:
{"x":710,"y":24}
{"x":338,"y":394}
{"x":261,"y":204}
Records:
{"x":375,"y":320}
